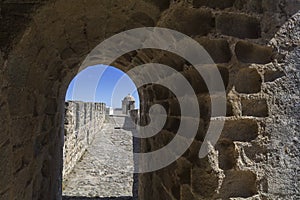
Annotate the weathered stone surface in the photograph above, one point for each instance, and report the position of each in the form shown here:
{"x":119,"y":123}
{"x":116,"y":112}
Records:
{"x":227,"y":154}
{"x":238,"y":25}
{"x":218,"y":49}
{"x":17,"y":13}
{"x":283,"y":160}
{"x":204,"y":182}
{"x":252,"y":53}
{"x":15,"y":96}
{"x":205,"y":105}
{"x":248,"y":81}
{"x":36,"y":65}
{"x":255,"y":107}
{"x":180,"y":18}
{"x":239,"y":184}
{"x":213,"y":3}
{"x":243,"y":130}
{"x":198,"y":83}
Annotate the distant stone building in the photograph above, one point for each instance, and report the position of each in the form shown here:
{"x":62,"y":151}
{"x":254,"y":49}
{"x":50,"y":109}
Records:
{"x":109,"y":111}
{"x":128,"y":104}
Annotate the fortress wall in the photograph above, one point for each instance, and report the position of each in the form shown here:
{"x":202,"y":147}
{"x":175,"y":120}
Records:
{"x":82,"y":122}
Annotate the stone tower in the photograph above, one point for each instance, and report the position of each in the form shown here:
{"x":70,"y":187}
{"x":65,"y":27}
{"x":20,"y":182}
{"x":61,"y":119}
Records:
{"x":128,"y":104}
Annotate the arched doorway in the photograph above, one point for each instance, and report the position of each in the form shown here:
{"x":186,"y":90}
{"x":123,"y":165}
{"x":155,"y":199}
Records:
{"x":98,"y":148}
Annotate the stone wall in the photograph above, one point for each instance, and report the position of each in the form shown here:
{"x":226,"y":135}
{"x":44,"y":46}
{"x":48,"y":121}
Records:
{"x":44,"y":42}
{"x":238,"y":166}
{"x":82,"y":122}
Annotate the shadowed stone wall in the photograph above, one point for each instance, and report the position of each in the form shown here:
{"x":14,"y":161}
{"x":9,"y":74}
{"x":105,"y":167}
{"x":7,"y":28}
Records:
{"x":257,"y":156}
{"x":82,"y":121}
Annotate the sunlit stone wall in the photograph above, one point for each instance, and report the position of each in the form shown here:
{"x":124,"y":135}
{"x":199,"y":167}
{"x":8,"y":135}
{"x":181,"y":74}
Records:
{"x":82,"y":122}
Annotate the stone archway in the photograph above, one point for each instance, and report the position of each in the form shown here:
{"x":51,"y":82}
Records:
{"x":36,"y":73}
{"x":57,"y":49}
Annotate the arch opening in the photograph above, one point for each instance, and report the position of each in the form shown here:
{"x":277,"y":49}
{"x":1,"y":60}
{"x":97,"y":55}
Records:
{"x":98,"y":140}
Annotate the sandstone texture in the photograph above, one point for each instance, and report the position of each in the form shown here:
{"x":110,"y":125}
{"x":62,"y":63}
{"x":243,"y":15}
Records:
{"x":255,"y":45}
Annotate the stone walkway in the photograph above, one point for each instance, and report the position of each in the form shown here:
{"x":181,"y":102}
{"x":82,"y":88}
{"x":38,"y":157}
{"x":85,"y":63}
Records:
{"x":105,"y":170}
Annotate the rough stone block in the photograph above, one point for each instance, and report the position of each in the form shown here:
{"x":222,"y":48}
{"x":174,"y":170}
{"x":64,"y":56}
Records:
{"x":213,"y":3}
{"x":169,"y":59}
{"x":218,"y":49}
{"x":182,"y":18}
{"x":255,"y":107}
{"x":248,"y":81}
{"x":239,"y":184}
{"x":204,"y":182}
{"x":238,"y":25}
{"x":247,"y":52}
{"x":205,"y":105}
{"x":243,"y":130}
{"x":198,"y":83}
{"x":227,"y":154}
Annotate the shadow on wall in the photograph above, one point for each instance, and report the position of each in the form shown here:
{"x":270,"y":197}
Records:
{"x":96,"y":198}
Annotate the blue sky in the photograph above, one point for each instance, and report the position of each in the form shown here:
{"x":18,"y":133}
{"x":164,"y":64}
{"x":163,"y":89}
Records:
{"x":102,"y":83}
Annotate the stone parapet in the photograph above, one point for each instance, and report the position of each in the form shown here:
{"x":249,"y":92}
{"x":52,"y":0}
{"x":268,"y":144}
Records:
{"x":82,"y":121}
